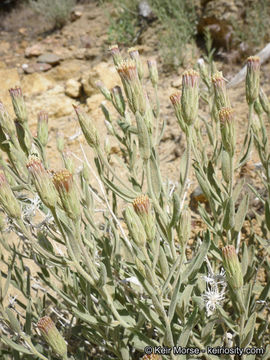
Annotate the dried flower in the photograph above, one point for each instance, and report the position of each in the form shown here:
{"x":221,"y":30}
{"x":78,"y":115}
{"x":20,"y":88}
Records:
{"x":64,"y":183}
{"x":52,"y":336}
{"x":42,"y":130}
{"x":151,"y":357}
{"x":190,"y":96}
{"x":18,"y":104}
{"x":128,"y":73}
{"x":115,"y":52}
{"x":7,"y":199}
{"x":43,"y":181}
{"x":213,"y":297}
{"x":252,"y":79}
{"x":232,"y":267}
{"x":142,"y":207}
{"x":227,"y":129}
{"x":118,"y":100}
{"x":87,"y":127}
{"x":153,"y":71}
{"x":220,"y":92}
{"x":134,"y":54}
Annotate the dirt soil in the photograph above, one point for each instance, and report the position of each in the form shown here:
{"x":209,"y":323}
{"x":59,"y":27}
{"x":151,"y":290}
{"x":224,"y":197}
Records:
{"x":82,"y":49}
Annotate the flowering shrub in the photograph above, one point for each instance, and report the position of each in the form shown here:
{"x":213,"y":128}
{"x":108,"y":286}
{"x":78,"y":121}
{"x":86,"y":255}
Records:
{"x":115,"y":286}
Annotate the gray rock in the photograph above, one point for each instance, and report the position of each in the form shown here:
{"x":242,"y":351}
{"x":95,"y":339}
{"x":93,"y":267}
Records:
{"x":33,"y":68}
{"x":49,"y":58}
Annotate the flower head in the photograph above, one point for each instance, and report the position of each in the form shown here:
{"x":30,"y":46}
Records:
{"x":219,"y":85}
{"x":142,"y":208}
{"x":227,"y":129}
{"x":232,"y":267}
{"x":18,"y":104}
{"x":64,"y":183}
{"x":52,"y":336}
{"x":128,"y":73}
{"x":88,"y":129}
{"x":190,"y":96}
{"x":215,"y":291}
{"x":212,"y":298}
{"x":42,"y":181}
{"x":115,"y":52}
{"x":134,"y":55}
{"x":141,"y":205}
{"x":252,"y":79}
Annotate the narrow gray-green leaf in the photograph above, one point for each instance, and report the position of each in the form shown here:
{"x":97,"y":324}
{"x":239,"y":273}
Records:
{"x":228,"y":221}
{"x":15,"y":346}
{"x":198,"y":260}
{"x":174,"y":299}
{"x":14,"y":323}
{"x":183,"y":339}
{"x":241,"y":213}
{"x":248,"y":331}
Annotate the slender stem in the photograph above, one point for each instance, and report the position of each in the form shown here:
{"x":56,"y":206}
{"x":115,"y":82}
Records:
{"x":105,"y":162}
{"x":187,"y":169}
{"x":84,"y":251}
{"x":182,"y":258}
{"x":34,"y":243}
{"x":157,"y":115}
{"x":231,"y":174}
{"x":248,"y":133}
{"x":152,"y":194}
{"x":32,"y":347}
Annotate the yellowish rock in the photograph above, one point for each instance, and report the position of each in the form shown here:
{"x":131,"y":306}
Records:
{"x":36,"y":83}
{"x":103,"y":71}
{"x":9,"y":78}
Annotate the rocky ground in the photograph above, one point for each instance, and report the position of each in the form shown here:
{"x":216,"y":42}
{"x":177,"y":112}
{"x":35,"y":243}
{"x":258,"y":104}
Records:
{"x":59,"y":69}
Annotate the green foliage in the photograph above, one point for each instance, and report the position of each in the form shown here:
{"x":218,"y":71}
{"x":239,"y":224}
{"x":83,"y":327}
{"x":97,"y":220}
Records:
{"x":57,"y":12}
{"x":114,"y":268}
{"x":178,"y":22}
{"x":124,"y":24}
{"x":255,"y":28}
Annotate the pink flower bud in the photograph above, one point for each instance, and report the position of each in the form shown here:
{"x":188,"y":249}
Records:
{"x":190,"y":96}
{"x":42,"y":181}
{"x":18,"y":104}
{"x":252,"y":79}
{"x":134,"y":91}
{"x":52,"y":336}
{"x":115,"y":52}
{"x":64,"y":183}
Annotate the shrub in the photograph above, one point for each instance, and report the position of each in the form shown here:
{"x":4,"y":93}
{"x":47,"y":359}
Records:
{"x":121,"y":283}
{"x":178,"y":27}
{"x":56,"y":12}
